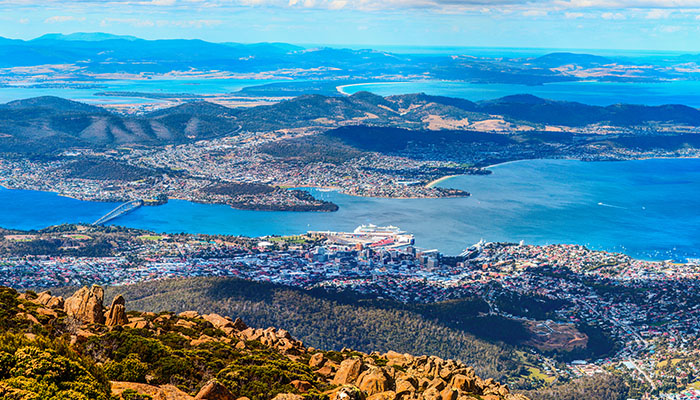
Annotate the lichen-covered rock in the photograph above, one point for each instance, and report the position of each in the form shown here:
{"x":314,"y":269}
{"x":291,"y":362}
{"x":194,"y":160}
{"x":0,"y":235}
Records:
{"x":349,"y":392}
{"x":86,"y":305}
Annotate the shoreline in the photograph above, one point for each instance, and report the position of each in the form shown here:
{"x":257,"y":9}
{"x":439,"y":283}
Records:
{"x":441,"y":179}
{"x":341,"y":88}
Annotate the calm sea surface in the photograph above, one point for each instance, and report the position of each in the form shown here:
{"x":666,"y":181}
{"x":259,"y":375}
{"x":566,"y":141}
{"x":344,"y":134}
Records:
{"x":648,"y":209}
{"x":191,"y":86}
{"x":595,"y":93}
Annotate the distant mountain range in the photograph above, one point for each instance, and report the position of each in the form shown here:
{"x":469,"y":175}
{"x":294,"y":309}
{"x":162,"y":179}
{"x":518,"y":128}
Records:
{"x":51,"y":124}
{"x":99,"y":53}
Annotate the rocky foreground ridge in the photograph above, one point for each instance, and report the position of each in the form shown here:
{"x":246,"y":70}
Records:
{"x":79,"y":349}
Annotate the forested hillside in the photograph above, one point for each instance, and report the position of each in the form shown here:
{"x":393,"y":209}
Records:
{"x":322,"y":322}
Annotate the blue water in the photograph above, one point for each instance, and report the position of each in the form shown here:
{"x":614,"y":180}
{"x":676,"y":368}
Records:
{"x":648,"y":209}
{"x":191,"y":86}
{"x":595,"y":93}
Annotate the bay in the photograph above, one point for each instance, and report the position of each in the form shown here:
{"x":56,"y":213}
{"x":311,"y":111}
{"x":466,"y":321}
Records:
{"x":648,"y":209}
{"x":198,"y":86}
{"x":587,"y":92}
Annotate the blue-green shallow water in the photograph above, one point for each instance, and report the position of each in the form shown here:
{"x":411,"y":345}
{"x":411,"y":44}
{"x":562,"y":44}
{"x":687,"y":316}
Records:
{"x":198,"y":86}
{"x":595,"y":93}
{"x":648,"y":209}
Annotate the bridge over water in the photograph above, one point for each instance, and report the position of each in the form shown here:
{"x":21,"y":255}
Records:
{"x":122,"y":209}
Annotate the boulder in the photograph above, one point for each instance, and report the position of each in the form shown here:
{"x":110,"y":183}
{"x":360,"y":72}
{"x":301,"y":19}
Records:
{"x":325,"y":371}
{"x":449,"y":394}
{"x":349,"y":392}
{"x":437,"y":383}
{"x":117,"y":313}
{"x":47,"y":311}
{"x":201,"y":340}
{"x":373,"y":381}
{"x":189,"y":314}
{"x":185,"y":323}
{"x":288,"y":396}
{"x":348,"y":371}
{"x":399,"y":359}
{"x":302,"y":386}
{"x":239,"y":325}
{"x":213,"y":390}
{"x":317,"y":360}
{"x":139,"y":323}
{"x":406,"y":384}
{"x":388,"y":395}
{"x":463,"y":383}
{"x":86,"y":305}
{"x":46,"y":299}
{"x":218,"y":321}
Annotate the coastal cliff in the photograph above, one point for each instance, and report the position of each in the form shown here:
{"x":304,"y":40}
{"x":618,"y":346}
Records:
{"x":79,"y":349}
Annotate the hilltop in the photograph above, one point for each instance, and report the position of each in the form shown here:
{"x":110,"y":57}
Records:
{"x":45,"y":125}
{"x":76,"y":348}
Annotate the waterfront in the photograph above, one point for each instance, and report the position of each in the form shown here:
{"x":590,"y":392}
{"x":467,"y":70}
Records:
{"x":646,"y":209}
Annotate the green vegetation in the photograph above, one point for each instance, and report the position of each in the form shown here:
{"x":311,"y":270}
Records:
{"x":597,"y":387}
{"x":104,"y":169}
{"x":335,"y":321}
{"x":260,"y":375}
{"x":42,"y":365}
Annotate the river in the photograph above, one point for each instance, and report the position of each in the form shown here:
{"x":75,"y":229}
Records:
{"x":648,"y":209}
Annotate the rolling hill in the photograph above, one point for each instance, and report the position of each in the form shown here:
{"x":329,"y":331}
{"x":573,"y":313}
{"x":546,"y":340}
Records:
{"x":49,"y":124}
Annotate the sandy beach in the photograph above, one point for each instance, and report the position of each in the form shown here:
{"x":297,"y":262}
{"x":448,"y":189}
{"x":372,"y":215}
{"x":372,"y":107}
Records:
{"x":342,"y":88}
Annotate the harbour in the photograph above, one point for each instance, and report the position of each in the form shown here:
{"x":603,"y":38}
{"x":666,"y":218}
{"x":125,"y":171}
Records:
{"x":538,"y":202}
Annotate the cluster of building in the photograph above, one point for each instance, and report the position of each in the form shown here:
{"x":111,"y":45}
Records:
{"x":647,"y":308}
{"x":54,"y":176}
{"x":240,"y":159}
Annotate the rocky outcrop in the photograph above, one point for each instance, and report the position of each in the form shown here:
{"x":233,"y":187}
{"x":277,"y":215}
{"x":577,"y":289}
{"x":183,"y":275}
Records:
{"x":46,"y":299}
{"x":213,"y":390}
{"x":416,"y":378}
{"x":116,"y":315}
{"x":86,"y":305}
{"x":344,"y":375}
{"x":276,"y":338}
{"x":162,"y":392}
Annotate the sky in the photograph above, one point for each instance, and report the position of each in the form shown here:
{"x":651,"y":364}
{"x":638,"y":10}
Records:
{"x":555,"y":24}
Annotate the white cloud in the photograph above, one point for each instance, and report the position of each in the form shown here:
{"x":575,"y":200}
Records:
{"x":613,"y":16}
{"x":62,"y":18}
{"x":570,"y":9}
{"x":658,"y":14}
{"x":534,"y":13}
